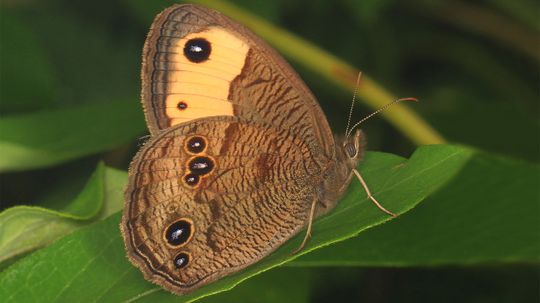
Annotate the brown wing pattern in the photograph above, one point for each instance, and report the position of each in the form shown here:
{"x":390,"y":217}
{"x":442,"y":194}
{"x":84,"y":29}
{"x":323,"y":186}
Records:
{"x":242,"y":77}
{"x":256,"y":195}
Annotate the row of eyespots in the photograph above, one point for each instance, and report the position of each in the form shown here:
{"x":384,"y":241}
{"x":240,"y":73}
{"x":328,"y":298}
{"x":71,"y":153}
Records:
{"x":178,"y":234}
{"x":196,"y":50}
{"x":199,"y":165}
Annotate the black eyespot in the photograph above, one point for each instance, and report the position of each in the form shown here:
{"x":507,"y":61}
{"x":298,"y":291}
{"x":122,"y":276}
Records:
{"x":178,"y":233}
{"x":197,"y":50}
{"x":196,"y":145}
{"x":201,"y":165}
{"x":191,"y":179}
{"x":182,"y":105}
{"x":181,"y":260}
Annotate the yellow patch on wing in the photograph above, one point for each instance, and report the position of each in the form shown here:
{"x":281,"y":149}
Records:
{"x":203,"y":87}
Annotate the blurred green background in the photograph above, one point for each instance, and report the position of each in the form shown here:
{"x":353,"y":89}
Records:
{"x":473,"y":64}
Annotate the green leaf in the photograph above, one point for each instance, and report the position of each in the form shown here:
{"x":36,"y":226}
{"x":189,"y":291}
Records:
{"x":25,"y":228}
{"x":91,"y":55}
{"x":489,"y":212}
{"x":281,"y":284}
{"x":50,"y":137}
{"x":95,"y":255}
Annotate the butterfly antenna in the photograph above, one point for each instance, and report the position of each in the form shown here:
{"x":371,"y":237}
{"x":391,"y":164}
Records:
{"x":378,"y":111}
{"x":353,"y":99}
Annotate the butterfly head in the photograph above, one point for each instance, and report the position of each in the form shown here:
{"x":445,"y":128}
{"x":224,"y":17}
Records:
{"x":353,"y":147}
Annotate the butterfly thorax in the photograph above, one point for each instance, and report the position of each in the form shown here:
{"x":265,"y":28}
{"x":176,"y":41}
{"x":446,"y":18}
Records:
{"x":349,"y":152}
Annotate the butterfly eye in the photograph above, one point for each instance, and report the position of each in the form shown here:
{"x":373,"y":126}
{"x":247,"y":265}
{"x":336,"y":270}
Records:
{"x":351,"y":150}
{"x":178,"y":233}
{"x":197,"y":50}
{"x":181,"y":260}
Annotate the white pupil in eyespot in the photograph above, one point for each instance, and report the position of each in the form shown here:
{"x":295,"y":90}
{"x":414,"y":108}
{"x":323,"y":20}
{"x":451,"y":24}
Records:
{"x":200,"y":165}
{"x":176,"y":234}
{"x":196,"y":48}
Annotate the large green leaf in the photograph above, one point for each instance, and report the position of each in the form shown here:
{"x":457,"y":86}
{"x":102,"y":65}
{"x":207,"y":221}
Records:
{"x":95,"y":255}
{"x":25,"y":228}
{"x":489,"y":212}
{"x":281,"y":284}
{"x":50,"y":137}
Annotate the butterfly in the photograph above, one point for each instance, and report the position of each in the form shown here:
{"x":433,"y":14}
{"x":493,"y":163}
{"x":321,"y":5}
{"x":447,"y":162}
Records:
{"x":241,"y":157}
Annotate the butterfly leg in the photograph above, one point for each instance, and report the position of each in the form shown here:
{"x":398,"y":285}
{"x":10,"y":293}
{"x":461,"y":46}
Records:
{"x":308,"y":231}
{"x":366,"y":188}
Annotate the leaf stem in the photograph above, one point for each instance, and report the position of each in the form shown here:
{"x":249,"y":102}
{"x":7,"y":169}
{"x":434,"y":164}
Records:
{"x":335,"y":70}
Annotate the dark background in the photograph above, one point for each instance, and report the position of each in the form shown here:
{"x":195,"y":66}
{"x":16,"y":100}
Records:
{"x":473,"y":65}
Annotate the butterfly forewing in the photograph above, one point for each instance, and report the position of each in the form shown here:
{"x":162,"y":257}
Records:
{"x":199,"y":63}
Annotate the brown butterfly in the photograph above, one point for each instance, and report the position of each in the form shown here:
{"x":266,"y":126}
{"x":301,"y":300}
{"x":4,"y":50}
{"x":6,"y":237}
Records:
{"x":241,"y":157}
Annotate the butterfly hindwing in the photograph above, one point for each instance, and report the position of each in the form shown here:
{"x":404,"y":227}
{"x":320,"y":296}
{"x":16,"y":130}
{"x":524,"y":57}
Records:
{"x":202,"y":195}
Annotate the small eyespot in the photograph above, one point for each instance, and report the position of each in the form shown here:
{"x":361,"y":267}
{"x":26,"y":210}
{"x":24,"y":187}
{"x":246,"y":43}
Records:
{"x":201,"y":165}
{"x":191,"y":179}
{"x":181,"y":260}
{"x":182,"y":105}
{"x":178,"y":233}
{"x":172,"y":208}
{"x":197,"y":50}
{"x":196,"y":145}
